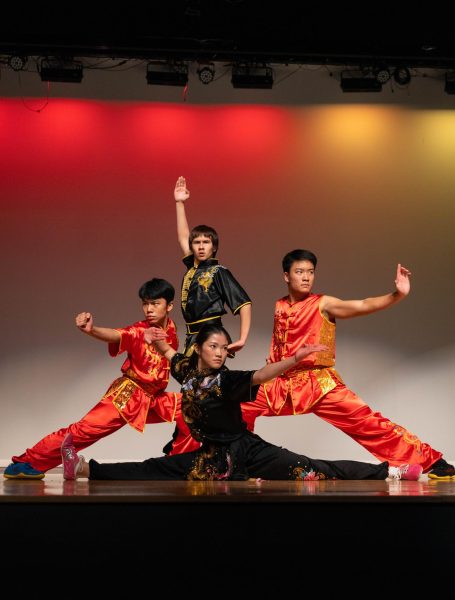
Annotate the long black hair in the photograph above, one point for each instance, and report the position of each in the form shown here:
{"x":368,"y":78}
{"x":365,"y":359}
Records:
{"x":204,"y":333}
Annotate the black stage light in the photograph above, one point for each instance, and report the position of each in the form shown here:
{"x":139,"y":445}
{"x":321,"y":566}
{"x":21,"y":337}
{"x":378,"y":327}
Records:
{"x":165,"y":73}
{"x":66,"y":71}
{"x":360,"y":84}
{"x":449,"y":87}
{"x":252,"y":76}
{"x":382,"y":74}
{"x":402,"y":75}
{"x":206,"y":73}
{"x":16,"y":62}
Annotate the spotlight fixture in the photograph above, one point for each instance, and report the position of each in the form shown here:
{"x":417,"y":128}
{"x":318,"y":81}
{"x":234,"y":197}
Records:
{"x":252,"y":76}
{"x":17,"y":63}
{"x":167,"y":73}
{"x":62,"y":70}
{"x":206,"y":73}
{"x":360,"y":84}
{"x":382,"y":75}
{"x":402,"y":75}
{"x":449,"y":87}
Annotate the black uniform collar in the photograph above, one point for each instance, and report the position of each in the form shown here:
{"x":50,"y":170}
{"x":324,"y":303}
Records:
{"x":188,"y":261}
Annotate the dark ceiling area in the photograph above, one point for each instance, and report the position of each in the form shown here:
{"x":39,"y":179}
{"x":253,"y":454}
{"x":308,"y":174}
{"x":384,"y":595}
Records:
{"x":249,"y":31}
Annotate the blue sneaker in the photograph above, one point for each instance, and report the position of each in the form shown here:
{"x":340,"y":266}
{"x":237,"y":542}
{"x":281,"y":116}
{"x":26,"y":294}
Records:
{"x":22,"y":470}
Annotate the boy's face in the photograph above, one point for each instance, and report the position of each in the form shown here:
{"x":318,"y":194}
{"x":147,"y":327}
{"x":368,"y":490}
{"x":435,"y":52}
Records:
{"x":300,"y":278}
{"x":202,"y":247}
{"x":156,"y":311}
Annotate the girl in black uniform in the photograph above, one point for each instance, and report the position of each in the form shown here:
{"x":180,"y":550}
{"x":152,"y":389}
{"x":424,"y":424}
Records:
{"x":211,"y":408}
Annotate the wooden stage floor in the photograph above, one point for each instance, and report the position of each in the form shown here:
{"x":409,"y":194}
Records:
{"x":54,"y":489}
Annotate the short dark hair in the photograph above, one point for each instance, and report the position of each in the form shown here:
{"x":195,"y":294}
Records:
{"x":157,"y":288}
{"x":297,"y":255}
{"x":208,"y":232}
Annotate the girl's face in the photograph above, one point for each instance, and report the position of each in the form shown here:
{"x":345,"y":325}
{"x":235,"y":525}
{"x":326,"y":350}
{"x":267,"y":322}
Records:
{"x":213,"y":352}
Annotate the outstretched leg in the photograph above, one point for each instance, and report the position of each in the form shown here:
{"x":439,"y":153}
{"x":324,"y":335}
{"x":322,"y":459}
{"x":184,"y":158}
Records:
{"x":102,"y":420}
{"x":268,"y":461}
{"x":386,"y":440}
{"x":154,"y":469}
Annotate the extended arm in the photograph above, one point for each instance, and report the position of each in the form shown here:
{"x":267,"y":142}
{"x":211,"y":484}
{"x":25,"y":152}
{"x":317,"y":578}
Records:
{"x":346,"y":309}
{"x":245,"y":323}
{"x":157,"y":336}
{"x":273,"y":369}
{"x":84,"y":322}
{"x":181,"y":194}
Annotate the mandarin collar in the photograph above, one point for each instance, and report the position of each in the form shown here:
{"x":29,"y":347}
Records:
{"x":189,"y":262}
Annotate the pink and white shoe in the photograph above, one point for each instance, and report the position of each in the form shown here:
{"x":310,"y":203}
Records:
{"x":70,"y":459}
{"x":411,"y":472}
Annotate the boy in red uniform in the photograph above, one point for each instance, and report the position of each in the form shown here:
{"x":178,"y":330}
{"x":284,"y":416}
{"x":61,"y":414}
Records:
{"x":136,"y":398}
{"x":314,"y":386}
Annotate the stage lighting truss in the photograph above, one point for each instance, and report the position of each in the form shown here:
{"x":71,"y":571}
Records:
{"x":167,"y":73}
{"x":206,"y":72}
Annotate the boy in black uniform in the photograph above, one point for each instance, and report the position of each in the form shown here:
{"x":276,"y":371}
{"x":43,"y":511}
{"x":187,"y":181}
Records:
{"x":207,"y":286}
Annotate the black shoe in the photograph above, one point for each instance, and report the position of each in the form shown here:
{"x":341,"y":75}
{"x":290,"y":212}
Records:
{"x":442,"y":470}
